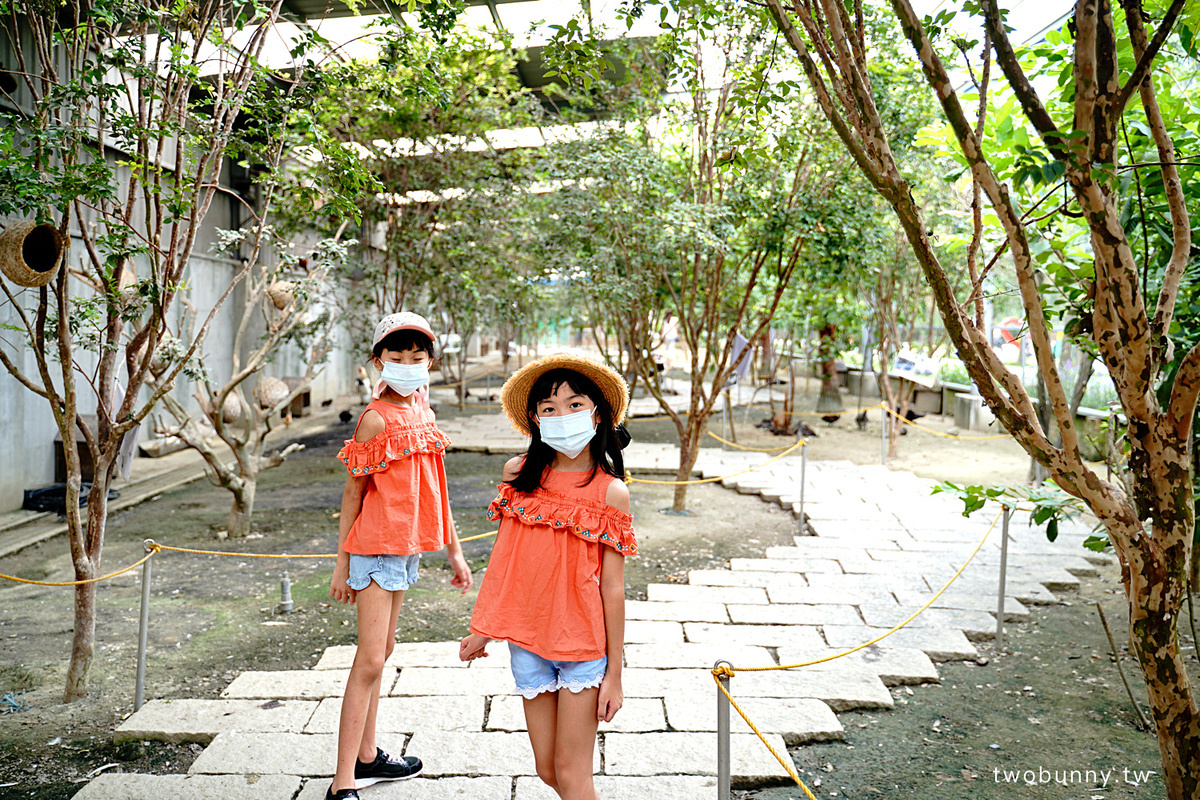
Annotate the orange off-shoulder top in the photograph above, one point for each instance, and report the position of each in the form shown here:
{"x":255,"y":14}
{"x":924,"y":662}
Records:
{"x":405,"y":507}
{"x":541,"y":590}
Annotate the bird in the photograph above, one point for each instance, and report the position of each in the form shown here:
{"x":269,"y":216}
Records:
{"x":327,"y":403}
{"x":805,"y":431}
{"x":831,"y":418}
{"x":345,"y":417}
{"x":861,"y":420}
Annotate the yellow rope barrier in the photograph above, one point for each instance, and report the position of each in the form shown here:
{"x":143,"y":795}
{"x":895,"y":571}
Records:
{"x":155,"y":548}
{"x":928,"y":429}
{"x":241,"y":555}
{"x":630,"y":479}
{"x":135,"y":565}
{"x":743,"y":447}
{"x":727,"y":670}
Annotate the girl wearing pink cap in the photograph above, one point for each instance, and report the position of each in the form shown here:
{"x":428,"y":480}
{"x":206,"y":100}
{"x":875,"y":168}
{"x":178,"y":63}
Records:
{"x":394,"y":507}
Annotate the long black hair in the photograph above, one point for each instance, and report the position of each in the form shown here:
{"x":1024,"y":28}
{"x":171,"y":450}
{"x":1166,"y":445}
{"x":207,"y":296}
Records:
{"x":604,"y":447}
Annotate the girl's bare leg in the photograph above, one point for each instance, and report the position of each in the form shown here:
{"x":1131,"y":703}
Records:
{"x":377,"y":612}
{"x":541,"y":718}
{"x":366,"y":750}
{"x":574,"y":743}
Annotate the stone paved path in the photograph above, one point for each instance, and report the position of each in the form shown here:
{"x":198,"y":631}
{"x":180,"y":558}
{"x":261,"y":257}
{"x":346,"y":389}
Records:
{"x":880,"y":547}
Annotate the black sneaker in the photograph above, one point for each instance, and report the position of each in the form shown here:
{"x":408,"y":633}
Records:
{"x":341,"y":794}
{"x":383,"y":768}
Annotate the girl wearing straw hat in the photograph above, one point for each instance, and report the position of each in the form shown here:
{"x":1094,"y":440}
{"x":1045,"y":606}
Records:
{"x":394,"y":507}
{"x":555,"y":583}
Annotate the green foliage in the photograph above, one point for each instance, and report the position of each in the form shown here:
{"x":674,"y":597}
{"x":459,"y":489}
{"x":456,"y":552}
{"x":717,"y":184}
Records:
{"x":1047,"y":504}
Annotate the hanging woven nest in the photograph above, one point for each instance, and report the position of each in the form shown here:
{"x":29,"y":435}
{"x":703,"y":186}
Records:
{"x":30,"y":254}
{"x":270,"y":391}
{"x":282,"y":293}
{"x":231,"y":409}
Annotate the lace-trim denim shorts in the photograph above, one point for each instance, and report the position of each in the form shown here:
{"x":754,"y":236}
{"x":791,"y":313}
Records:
{"x":534,"y":674}
{"x":393,"y":573}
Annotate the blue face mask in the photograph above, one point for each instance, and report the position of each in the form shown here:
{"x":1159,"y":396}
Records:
{"x":567,"y":434}
{"x":404,"y":379}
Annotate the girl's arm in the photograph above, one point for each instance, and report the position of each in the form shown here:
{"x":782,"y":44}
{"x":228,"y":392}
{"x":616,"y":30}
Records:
{"x":454,"y":554}
{"x":473,"y":645}
{"x":370,"y":426}
{"x":612,"y":599}
{"x":352,"y":497}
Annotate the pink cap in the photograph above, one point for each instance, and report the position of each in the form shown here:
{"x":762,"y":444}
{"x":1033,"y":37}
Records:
{"x":400,"y":321}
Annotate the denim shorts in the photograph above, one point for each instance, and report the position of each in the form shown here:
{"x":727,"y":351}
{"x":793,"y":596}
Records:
{"x":534,"y":674}
{"x":393,"y":573}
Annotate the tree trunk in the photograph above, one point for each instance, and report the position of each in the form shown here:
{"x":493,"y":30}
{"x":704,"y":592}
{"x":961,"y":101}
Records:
{"x":238,"y":523}
{"x":87,"y":565}
{"x":83,"y":642}
{"x":689,"y":450}
{"x":830,"y":400}
{"x":1155,"y":606}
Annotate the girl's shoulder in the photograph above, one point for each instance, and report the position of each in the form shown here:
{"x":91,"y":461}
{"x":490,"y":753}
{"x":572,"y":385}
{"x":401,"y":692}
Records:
{"x":616,"y":495}
{"x":370,"y":425}
{"x":512,"y":467}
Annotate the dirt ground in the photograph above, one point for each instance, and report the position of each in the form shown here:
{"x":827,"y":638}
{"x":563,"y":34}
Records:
{"x":1051,"y":701}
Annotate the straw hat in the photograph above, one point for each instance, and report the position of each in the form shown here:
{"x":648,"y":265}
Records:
{"x":30,"y":254}
{"x":515,"y":394}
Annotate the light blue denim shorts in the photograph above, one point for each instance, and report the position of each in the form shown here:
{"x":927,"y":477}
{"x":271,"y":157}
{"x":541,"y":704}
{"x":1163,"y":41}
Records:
{"x":534,"y":674}
{"x":393,"y":573}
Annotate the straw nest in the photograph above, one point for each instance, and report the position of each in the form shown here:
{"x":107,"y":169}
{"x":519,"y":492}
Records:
{"x":30,"y":254}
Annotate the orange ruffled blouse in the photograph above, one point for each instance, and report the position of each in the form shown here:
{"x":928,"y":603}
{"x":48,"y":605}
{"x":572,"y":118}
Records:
{"x":405,"y":507}
{"x":541,"y":590}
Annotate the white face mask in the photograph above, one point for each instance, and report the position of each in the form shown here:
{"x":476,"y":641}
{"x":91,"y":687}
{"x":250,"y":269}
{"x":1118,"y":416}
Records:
{"x":404,"y":379}
{"x":567,"y":434}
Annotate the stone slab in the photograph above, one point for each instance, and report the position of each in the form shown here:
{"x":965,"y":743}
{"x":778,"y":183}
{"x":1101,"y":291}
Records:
{"x":683,"y":593}
{"x":305,"y":754}
{"x":798,"y":636}
{"x":834,"y":582}
{"x":795,"y":614}
{"x":644,"y":631}
{"x":676,"y":612}
{"x":794,"y":563}
{"x":405,"y":654}
{"x":488,"y":753}
{"x":894,"y":665}
{"x":139,"y":786}
{"x":976,"y":625}
{"x":940,"y":644}
{"x":729,"y":577}
{"x":695,"y":655}
{"x":488,"y":788}
{"x":475,"y":682}
{"x":408,"y":714}
{"x":201,"y":720}
{"x":844,"y":689}
{"x":692,"y":754}
{"x":968,"y":600}
{"x":659,"y":787}
{"x":810,"y":595}
{"x":301,"y":684}
{"x":797,"y":720}
{"x":637,"y":715}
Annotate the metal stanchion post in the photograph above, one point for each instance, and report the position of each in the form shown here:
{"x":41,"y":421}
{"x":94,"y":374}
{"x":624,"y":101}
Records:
{"x":883,"y":426}
{"x":723,"y":766}
{"x":1003,"y":571}
{"x":143,"y":630}
{"x":803,"y":466}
